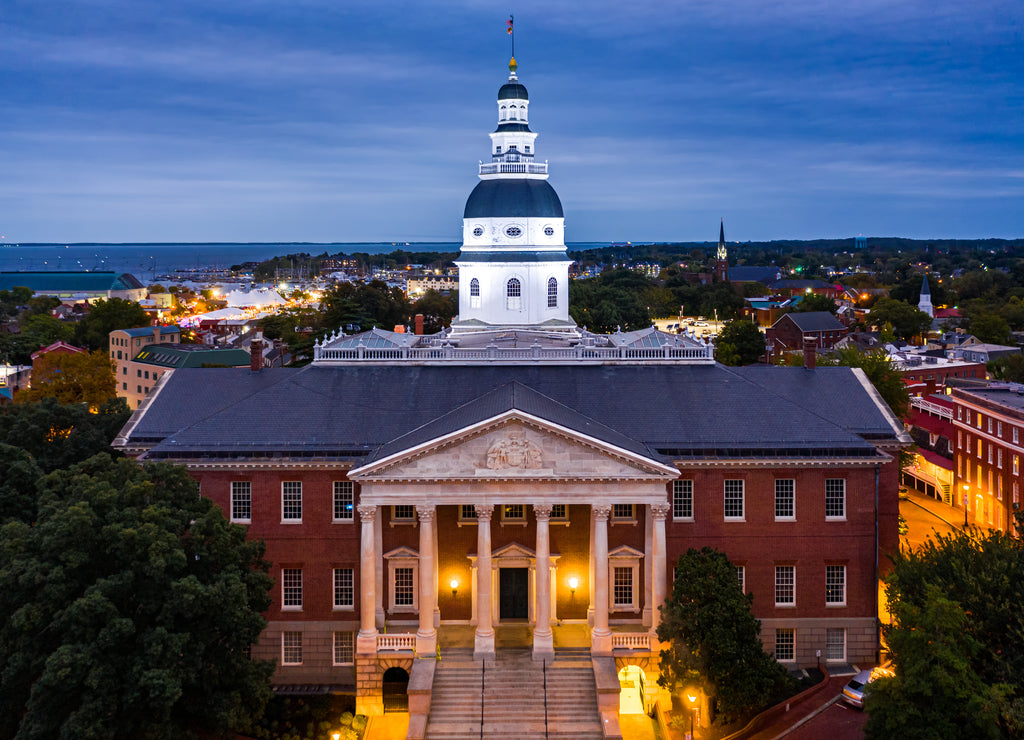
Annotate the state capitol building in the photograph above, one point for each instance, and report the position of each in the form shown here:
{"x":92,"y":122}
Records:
{"x":518,"y":483}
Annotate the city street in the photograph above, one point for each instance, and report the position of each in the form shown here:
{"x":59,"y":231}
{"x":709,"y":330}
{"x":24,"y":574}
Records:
{"x":839,"y":722}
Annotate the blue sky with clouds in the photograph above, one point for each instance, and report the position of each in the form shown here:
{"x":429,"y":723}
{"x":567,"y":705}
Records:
{"x":353,"y":120}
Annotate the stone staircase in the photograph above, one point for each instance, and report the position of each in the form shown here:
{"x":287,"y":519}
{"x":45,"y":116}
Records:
{"x":514,"y":697}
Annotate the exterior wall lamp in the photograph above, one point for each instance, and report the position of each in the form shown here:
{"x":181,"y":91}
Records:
{"x":455,"y":587}
{"x":574,"y":583}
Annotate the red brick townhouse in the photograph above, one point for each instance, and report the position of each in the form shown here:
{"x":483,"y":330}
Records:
{"x":792,"y":330}
{"x":989,"y":424}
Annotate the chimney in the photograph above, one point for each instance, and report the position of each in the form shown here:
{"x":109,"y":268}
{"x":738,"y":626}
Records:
{"x":156,"y":334}
{"x":419,"y":324}
{"x":256,"y":352}
{"x":810,"y":351}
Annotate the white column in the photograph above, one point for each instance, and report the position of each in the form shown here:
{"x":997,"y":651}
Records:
{"x":648,"y":566}
{"x":659,"y":562}
{"x":592,"y":580}
{"x":426,"y":637}
{"x":543,"y":639}
{"x":366,"y":641}
{"x":600,"y":635}
{"x":483,"y":646}
{"x":378,"y":539}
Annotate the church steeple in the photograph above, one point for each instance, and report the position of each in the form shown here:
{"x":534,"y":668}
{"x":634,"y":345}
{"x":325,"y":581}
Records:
{"x":924,"y":303}
{"x":722,"y":257}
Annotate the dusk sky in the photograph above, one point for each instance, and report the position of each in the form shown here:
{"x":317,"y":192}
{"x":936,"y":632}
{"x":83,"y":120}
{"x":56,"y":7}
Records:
{"x":352,"y":120}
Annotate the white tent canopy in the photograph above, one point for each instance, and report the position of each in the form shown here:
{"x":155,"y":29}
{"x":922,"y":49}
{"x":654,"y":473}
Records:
{"x":239,"y":299}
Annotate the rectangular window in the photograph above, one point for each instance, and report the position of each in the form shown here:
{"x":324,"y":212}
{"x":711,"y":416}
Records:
{"x":344,"y":588}
{"x":623,"y":587}
{"x":682,"y":500}
{"x":343,"y":501}
{"x":785,"y":498}
{"x":513,"y":513}
{"x":835,"y":644}
{"x":291,"y":588}
{"x":959,"y":413}
{"x":291,"y":501}
{"x":741,"y":577}
{"x":623,"y":512}
{"x":734,"y":499}
{"x":785,"y":644}
{"x":138,"y":373}
{"x":467,"y":513}
{"x":999,"y":429}
{"x":990,"y":425}
{"x":1016,"y":436}
{"x":1016,"y":464}
{"x":138,"y":389}
{"x":979,"y":448}
{"x":291,"y":648}
{"x":989,"y":453}
{"x":959,"y":440}
{"x":785,"y":585}
{"x":835,"y":585}
{"x":403,"y":513}
{"x":999,"y":458}
{"x":559,"y":513}
{"x":241,"y":501}
{"x":835,"y":498}
{"x":404,"y":587}
{"x":344,"y":648}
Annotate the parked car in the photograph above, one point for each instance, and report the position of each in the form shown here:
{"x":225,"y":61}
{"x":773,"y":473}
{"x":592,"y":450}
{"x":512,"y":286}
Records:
{"x":853,"y":692}
{"x":701,"y":323}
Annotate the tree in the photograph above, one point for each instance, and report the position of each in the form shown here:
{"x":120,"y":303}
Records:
{"x":816,"y":302}
{"x":104,"y":316}
{"x":962,"y":657}
{"x":72,"y":378}
{"x":991,"y":328}
{"x":739,"y":343}
{"x":55,"y":436}
{"x":1007,"y":367}
{"x":127,"y":608}
{"x":714,"y":638}
{"x":906,"y":320}
{"x":880,"y":370}
{"x":437,"y":309}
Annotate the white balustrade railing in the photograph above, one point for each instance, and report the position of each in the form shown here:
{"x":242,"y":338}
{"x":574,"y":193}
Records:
{"x":514,"y":168}
{"x":398,"y":641}
{"x":932,"y":408}
{"x":537,"y":354}
{"x":631,"y":640}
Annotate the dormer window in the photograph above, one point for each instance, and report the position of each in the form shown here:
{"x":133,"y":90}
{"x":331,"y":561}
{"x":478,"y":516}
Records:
{"x":497,"y":150}
{"x":527,"y":148}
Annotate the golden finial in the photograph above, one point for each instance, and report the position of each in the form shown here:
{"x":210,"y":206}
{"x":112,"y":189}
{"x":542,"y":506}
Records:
{"x":512,"y":66}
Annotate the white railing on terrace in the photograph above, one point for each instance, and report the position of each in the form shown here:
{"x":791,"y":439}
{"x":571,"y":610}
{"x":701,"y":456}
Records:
{"x":578,"y":354}
{"x":398,"y":641}
{"x":631,"y":640}
{"x":932,"y":408}
{"x":515,"y":168}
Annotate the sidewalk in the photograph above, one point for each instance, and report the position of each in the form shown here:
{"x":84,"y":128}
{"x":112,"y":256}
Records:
{"x":951,"y":516}
{"x":803,"y":711}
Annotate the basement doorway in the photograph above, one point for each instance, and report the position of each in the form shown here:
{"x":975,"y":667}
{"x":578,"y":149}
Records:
{"x":632,"y":686}
{"x":396,"y":690}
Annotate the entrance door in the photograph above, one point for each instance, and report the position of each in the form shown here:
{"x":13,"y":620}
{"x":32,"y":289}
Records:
{"x":514,"y":587}
{"x":396,"y":690}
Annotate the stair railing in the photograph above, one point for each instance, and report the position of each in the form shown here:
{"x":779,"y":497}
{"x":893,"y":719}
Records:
{"x":483,"y":684}
{"x":545,"y":665}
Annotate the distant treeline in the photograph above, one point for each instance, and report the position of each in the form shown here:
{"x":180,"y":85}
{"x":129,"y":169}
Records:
{"x":303,"y":264}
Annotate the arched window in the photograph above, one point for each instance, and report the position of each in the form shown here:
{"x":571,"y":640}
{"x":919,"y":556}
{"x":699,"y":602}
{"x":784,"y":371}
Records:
{"x":513,"y":295}
{"x":504,"y":113}
{"x":474,"y":293}
{"x":552,"y":293}
{"x":512,"y":112}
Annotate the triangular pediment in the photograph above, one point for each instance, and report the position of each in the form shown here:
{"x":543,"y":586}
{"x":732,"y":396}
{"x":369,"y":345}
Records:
{"x":513,"y":550}
{"x":514,"y":446}
{"x":625,"y":551}
{"x":401,"y":552}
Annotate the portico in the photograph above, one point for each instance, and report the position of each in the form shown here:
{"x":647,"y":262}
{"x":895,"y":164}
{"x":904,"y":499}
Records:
{"x":520,"y":479}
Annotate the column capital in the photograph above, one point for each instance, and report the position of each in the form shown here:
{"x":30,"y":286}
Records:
{"x":601,"y":512}
{"x":367,"y":513}
{"x":425,"y":513}
{"x":660,"y":511}
{"x":484,"y":512}
{"x":542,"y":512}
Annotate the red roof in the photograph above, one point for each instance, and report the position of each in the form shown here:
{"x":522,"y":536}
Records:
{"x":936,"y":459}
{"x":932,"y":424}
{"x":947,"y":313}
{"x":59,"y":346}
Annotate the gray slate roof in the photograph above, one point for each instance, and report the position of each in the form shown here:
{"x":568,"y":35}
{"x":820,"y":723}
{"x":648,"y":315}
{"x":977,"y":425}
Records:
{"x":672,"y":411}
{"x":814,"y":321}
{"x":513,"y":197}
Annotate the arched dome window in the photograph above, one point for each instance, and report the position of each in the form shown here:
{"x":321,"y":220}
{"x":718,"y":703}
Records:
{"x":513,"y":295}
{"x":474,"y":293}
{"x":552,"y":293}
{"x":504,"y":113}
{"x":512,"y":113}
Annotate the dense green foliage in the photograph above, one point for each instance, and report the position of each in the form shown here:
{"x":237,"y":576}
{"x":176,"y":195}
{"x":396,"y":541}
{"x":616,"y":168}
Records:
{"x":93,"y":330}
{"x":816,"y":302}
{"x":1007,"y":367}
{"x":715,"y":639}
{"x":739,"y":343}
{"x":56,"y":435}
{"x":127,"y":607}
{"x":898,"y":319}
{"x":72,"y":378}
{"x":957,"y":640}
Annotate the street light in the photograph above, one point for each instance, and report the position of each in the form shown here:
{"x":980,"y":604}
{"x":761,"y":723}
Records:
{"x":966,"y":489}
{"x":692,"y":696}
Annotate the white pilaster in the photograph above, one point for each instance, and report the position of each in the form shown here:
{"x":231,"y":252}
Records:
{"x":483,"y":646}
{"x":648,"y":567}
{"x":426,"y":637}
{"x":600,"y":635}
{"x":366,"y":641}
{"x":378,"y":540}
{"x":659,"y":563}
{"x":543,"y":638}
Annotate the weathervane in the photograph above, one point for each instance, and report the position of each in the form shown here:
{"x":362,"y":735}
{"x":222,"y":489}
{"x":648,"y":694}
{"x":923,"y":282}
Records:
{"x":510,"y":32}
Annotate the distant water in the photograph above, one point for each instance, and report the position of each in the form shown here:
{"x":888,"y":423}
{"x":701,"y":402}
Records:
{"x":148,"y":260}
